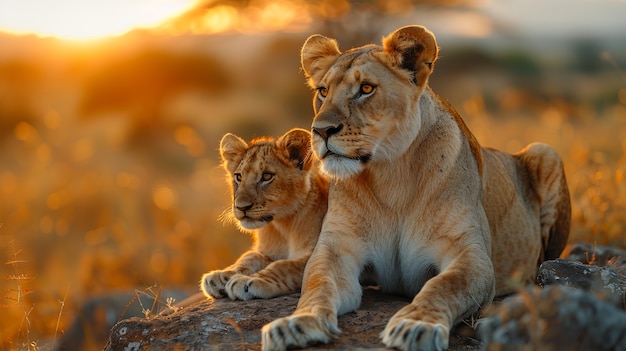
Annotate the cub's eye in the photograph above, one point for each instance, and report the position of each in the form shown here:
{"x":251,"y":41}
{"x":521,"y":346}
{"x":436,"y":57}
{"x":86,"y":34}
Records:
{"x":367,"y":89}
{"x":267,"y":176}
{"x":323,"y":92}
{"x":237,"y":178}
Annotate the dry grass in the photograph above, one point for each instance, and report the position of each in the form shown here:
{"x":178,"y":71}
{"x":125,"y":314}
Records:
{"x":16,"y":302}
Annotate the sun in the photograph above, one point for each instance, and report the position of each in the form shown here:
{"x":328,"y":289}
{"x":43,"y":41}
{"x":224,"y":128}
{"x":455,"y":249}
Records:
{"x":86,"y":19}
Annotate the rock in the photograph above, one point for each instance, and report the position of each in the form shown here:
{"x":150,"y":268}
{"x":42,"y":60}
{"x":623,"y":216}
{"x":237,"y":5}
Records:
{"x":604,"y":282}
{"x":236,"y":325}
{"x":554,"y":318}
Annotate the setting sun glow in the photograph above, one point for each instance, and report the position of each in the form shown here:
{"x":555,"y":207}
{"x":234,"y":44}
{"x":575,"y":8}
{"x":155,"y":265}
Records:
{"x":85,"y":19}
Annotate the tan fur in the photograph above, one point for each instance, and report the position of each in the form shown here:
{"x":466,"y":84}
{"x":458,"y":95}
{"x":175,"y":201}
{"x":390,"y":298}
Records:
{"x":279,"y":196}
{"x":415,"y":199}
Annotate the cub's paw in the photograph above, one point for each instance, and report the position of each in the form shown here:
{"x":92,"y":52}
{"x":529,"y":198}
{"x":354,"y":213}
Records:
{"x":213,"y":284}
{"x":242,"y":287}
{"x":298,"y":330}
{"x":408,"y":334}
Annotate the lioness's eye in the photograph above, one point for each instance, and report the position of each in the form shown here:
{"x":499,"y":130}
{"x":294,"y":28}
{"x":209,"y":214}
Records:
{"x":322,"y":91}
{"x":237,"y":178}
{"x":367,"y":88}
{"x":267,"y":176}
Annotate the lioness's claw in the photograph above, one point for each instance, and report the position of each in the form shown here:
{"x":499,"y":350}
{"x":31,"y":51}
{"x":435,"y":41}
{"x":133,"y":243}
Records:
{"x":409,"y":334}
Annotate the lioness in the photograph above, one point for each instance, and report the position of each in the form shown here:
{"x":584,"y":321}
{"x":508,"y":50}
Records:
{"x":280,"y":196}
{"x":415,"y":199}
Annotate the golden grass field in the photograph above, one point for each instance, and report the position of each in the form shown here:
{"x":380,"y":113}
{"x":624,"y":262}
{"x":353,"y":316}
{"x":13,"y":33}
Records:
{"x":109,"y":170}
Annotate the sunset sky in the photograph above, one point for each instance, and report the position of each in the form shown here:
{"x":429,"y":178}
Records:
{"x":86,"y":19}
{"x":561,"y":17}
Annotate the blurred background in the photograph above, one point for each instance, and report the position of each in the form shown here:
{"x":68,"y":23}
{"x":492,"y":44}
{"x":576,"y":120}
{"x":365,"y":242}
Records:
{"x":111,"y":114}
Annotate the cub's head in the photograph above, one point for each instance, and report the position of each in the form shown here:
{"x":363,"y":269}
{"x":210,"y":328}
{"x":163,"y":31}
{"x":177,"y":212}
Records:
{"x":366,"y":99}
{"x":269,"y":177}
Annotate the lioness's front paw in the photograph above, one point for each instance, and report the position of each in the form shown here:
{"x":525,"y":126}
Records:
{"x":408,"y":334}
{"x":213,"y":283}
{"x":241,"y":287}
{"x":298,"y":330}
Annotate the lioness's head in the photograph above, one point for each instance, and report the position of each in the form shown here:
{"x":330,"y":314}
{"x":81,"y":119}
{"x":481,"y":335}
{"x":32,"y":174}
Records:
{"x":268,"y":177}
{"x":366,"y":99}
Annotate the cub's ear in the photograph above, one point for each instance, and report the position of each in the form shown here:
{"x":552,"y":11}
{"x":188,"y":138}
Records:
{"x":296,"y":144}
{"x":413,"y":48}
{"x":317,"y":54}
{"x":232,"y":149}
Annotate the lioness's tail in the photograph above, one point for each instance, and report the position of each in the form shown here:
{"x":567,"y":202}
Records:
{"x":559,"y":233}
{"x":548,"y":179}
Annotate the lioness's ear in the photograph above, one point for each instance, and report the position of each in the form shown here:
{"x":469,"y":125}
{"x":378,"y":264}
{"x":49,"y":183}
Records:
{"x":232,"y":149}
{"x":297,"y":146}
{"x":318,"y":53}
{"x":413,"y":48}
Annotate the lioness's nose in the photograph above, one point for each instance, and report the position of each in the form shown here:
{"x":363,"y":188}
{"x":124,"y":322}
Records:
{"x":326,"y":132}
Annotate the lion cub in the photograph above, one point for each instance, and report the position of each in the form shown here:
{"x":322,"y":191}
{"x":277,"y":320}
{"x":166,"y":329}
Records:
{"x":280,"y":196}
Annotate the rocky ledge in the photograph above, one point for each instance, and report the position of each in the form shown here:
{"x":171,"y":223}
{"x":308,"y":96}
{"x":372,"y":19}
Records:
{"x":578,"y":305}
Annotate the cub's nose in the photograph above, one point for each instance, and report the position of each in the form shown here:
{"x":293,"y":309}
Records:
{"x":326,"y":132}
{"x":243,"y":207}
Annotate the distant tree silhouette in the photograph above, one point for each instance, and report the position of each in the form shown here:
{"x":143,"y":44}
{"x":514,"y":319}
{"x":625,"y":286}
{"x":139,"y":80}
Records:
{"x":18,"y":86}
{"x":141,"y":85}
{"x":330,"y":15}
{"x":332,"y":8}
{"x":588,"y":54}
